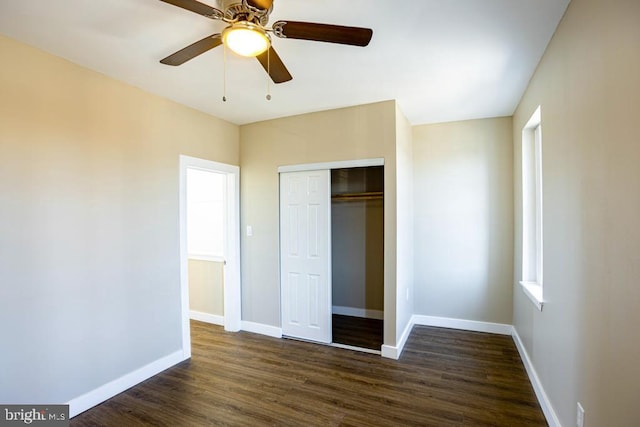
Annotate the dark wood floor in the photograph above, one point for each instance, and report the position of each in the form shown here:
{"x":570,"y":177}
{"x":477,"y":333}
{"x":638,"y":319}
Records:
{"x":444,"y":378}
{"x":357,"y":331}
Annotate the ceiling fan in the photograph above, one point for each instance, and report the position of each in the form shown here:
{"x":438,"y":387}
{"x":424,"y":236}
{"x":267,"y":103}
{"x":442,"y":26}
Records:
{"x":248,"y":35}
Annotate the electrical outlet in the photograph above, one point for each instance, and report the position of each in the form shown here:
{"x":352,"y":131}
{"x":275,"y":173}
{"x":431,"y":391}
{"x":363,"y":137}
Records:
{"x":580,"y":416}
{"x":249,"y":230}
{"x":407,"y":294}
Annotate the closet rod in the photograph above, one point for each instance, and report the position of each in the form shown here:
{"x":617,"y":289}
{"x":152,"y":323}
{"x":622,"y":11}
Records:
{"x":371,"y":195}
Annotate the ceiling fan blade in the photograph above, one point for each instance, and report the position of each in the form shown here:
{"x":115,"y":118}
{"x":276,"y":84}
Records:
{"x":354,"y":36}
{"x":274,"y":66}
{"x":193,"y":50}
{"x":197,"y":7}
{"x":260,"y":4}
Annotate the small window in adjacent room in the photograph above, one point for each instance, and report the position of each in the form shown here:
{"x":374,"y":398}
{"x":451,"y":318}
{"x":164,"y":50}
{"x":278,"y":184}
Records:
{"x":205,"y":214}
{"x":532,"y":209}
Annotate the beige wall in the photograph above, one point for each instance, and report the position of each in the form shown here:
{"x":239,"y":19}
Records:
{"x":584,"y":343}
{"x":89,"y":246}
{"x":361,"y":132}
{"x":404,"y":294}
{"x":206,"y":287}
{"x":463,"y":195}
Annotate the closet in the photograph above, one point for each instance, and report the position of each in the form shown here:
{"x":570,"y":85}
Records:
{"x":332,"y":255}
{"x":357,"y":256}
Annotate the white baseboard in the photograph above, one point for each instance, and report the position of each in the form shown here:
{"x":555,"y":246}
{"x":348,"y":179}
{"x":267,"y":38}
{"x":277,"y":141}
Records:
{"x":214,"y":319}
{"x":394,"y":352}
{"x":543,"y":399}
{"x":92,"y":398}
{"x":358,"y":312}
{"x":501,"y":329}
{"x":467,"y":325}
{"x":259,"y":328}
{"x":389,"y":351}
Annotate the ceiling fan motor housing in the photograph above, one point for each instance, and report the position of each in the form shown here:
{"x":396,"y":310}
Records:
{"x":238,"y":10}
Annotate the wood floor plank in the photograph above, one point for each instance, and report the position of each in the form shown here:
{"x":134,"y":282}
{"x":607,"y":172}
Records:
{"x":357,"y":331}
{"x":444,"y":378}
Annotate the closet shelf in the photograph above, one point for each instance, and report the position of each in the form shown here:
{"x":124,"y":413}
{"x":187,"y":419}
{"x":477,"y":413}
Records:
{"x":368,"y":195}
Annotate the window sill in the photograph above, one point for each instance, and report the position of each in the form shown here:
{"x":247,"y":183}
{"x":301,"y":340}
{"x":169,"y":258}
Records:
{"x":533,"y":290}
{"x":201,"y":257}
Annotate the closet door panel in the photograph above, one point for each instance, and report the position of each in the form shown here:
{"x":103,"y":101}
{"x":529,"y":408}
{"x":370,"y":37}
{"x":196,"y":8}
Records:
{"x":305,"y":254}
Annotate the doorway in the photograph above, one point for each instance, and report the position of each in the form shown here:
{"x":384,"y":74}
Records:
{"x":209,"y":245}
{"x":310,"y":203}
{"x":357,"y":256}
{"x":206,"y":225}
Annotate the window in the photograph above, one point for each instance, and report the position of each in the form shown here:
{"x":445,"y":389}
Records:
{"x":205,"y":214}
{"x":532,"y":209}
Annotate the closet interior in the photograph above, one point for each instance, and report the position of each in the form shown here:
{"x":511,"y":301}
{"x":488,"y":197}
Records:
{"x":357,"y":243}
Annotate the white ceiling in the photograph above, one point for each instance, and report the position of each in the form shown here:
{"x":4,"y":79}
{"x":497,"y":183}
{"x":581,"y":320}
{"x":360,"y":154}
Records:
{"x":443,"y":60}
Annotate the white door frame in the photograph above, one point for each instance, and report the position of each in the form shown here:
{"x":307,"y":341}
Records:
{"x":232,"y":281}
{"x":341,"y":164}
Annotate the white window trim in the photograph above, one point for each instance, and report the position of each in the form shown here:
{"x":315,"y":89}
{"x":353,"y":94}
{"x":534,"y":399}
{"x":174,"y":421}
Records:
{"x":539,"y":206}
{"x":205,"y":257}
{"x":533,"y":290}
{"x":531,"y":133}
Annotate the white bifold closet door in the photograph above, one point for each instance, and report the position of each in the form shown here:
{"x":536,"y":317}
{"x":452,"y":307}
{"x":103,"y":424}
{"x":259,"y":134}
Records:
{"x":305,"y":254}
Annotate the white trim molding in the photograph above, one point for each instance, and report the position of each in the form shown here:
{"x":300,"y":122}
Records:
{"x":95,"y":397}
{"x":201,"y":257}
{"x":533,"y":290}
{"x":467,"y":325}
{"x":390,"y":352}
{"x":262,"y":329}
{"x":332,"y":165}
{"x":543,"y":399}
{"x":500,"y":329}
{"x":394,"y":352}
{"x":532,"y":210}
{"x":232,"y":279}
{"x":214,"y":319}
{"x":358,"y":312}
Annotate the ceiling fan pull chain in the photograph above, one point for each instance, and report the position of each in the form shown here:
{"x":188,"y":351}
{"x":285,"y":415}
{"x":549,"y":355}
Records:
{"x":268,"y":74}
{"x":224,"y":73}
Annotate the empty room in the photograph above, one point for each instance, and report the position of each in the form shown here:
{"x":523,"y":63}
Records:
{"x":279,"y":212}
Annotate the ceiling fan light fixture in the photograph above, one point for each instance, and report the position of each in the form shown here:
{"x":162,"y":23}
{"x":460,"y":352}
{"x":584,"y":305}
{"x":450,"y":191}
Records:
{"x":246,"y":39}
